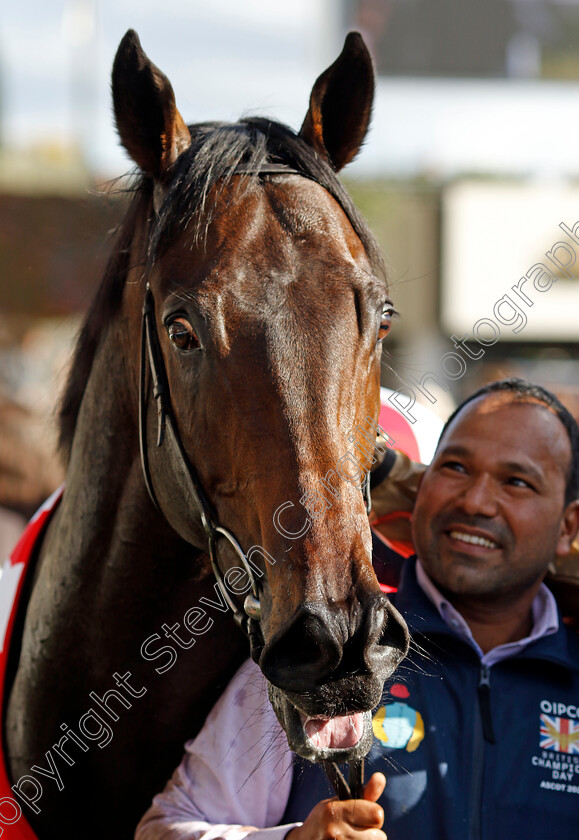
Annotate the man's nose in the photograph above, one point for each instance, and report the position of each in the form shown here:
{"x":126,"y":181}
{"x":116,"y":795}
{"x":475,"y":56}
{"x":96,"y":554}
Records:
{"x":480,"y":496}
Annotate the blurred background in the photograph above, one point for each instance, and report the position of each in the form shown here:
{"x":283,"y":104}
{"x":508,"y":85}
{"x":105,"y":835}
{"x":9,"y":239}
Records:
{"x":469,"y":173}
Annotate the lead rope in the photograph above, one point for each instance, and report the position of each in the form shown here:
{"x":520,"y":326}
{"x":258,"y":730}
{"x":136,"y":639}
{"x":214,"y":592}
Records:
{"x":351,"y":789}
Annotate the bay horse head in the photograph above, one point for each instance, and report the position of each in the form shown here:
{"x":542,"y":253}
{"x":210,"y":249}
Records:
{"x":265,"y":305}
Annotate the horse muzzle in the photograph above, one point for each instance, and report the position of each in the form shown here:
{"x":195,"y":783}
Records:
{"x":326,"y":672}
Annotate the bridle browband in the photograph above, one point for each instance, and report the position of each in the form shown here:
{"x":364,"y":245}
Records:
{"x":248,"y":618}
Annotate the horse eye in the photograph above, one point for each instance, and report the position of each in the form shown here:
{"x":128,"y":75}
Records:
{"x":182,"y":335}
{"x":385,"y":322}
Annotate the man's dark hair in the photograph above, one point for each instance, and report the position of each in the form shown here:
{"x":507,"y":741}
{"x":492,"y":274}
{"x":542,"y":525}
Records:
{"x":523,"y":391}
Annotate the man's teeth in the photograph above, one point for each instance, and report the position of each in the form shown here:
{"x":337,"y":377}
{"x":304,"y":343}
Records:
{"x":470,"y":538}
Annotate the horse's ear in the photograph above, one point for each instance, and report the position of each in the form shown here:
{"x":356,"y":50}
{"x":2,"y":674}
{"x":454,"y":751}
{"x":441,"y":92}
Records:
{"x":341,"y":104}
{"x":149,"y":125}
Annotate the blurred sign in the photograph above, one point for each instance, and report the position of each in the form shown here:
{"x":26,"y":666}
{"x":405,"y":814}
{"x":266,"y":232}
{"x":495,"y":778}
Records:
{"x":510,"y":264}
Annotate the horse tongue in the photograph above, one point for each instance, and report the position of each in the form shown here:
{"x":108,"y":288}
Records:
{"x":337,"y":733}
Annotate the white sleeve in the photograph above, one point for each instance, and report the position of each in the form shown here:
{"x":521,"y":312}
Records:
{"x":235,"y":776}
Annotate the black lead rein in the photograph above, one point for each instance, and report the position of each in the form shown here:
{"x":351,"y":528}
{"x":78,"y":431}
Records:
{"x":351,"y":789}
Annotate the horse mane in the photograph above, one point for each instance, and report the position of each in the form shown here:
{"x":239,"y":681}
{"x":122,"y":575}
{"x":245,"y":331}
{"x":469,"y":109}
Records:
{"x":105,"y":304}
{"x":198,"y":184}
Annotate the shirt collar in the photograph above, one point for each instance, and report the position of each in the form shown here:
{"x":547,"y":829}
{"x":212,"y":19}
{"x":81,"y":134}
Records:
{"x":544,"y":610}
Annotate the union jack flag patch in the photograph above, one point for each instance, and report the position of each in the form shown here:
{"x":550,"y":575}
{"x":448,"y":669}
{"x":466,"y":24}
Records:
{"x":559,"y":734}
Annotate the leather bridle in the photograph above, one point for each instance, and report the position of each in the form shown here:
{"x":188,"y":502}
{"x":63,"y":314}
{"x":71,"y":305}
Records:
{"x":249,"y":616}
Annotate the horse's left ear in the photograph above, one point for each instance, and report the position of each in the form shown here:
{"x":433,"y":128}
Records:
{"x":149,"y":125}
{"x":341,"y":104}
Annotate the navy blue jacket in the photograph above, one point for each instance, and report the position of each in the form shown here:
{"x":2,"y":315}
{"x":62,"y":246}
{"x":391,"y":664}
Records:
{"x":469,"y":752}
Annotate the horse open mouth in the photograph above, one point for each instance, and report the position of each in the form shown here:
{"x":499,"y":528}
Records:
{"x":338,"y":733}
{"x":340,"y":738}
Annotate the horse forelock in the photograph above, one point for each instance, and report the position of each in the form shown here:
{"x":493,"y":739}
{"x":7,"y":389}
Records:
{"x":200,"y":183}
{"x":202,"y":180}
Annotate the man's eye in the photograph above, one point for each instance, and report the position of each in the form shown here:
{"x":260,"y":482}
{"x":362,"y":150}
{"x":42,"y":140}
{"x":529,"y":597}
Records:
{"x":182,"y":334}
{"x":455,"y":466}
{"x":514,"y":481}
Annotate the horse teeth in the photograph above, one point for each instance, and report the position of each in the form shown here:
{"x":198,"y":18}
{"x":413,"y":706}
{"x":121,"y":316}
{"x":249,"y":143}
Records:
{"x":470,"y":538}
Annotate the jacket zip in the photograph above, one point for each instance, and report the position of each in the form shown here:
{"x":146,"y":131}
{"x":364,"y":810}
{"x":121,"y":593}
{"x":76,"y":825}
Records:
{"x":484,"y":702}
{"x":483,"y":732}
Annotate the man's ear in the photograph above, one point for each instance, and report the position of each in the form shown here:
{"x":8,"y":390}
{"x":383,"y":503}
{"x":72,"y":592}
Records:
{"x":569,"y":528}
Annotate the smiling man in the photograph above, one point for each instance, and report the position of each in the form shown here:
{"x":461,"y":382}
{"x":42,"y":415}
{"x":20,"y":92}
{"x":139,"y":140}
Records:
{"x":496,"y":505}
{"x":479,"y":733}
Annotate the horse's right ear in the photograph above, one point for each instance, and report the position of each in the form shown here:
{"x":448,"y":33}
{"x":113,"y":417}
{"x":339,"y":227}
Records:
{"x":341,"y":104}
{"x":150,"y":127}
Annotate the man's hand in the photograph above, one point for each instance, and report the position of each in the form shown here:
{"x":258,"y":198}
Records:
{"x":351,"y":819}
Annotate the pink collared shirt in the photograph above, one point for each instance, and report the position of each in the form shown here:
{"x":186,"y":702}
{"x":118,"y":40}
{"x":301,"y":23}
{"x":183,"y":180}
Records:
{"x":545,"y":619}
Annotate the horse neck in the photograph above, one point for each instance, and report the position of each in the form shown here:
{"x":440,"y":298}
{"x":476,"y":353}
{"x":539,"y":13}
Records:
{"x":110,"y":571}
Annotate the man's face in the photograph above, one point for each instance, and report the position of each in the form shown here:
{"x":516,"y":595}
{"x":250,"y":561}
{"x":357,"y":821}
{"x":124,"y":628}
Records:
{"x":490,"y":511}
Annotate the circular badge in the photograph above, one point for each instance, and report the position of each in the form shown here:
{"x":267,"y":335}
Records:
{"x":398,"y":726}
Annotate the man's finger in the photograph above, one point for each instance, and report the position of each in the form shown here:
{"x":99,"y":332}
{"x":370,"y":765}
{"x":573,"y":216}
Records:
{"x":358,"y":813}
{"x":375,"y":787}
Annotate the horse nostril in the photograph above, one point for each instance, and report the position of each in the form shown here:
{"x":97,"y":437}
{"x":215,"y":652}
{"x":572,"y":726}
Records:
{"x":302,"y":656}
{"x":395,"y":632}
{"x":390,"y":633}
{"x":317,"y":648}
